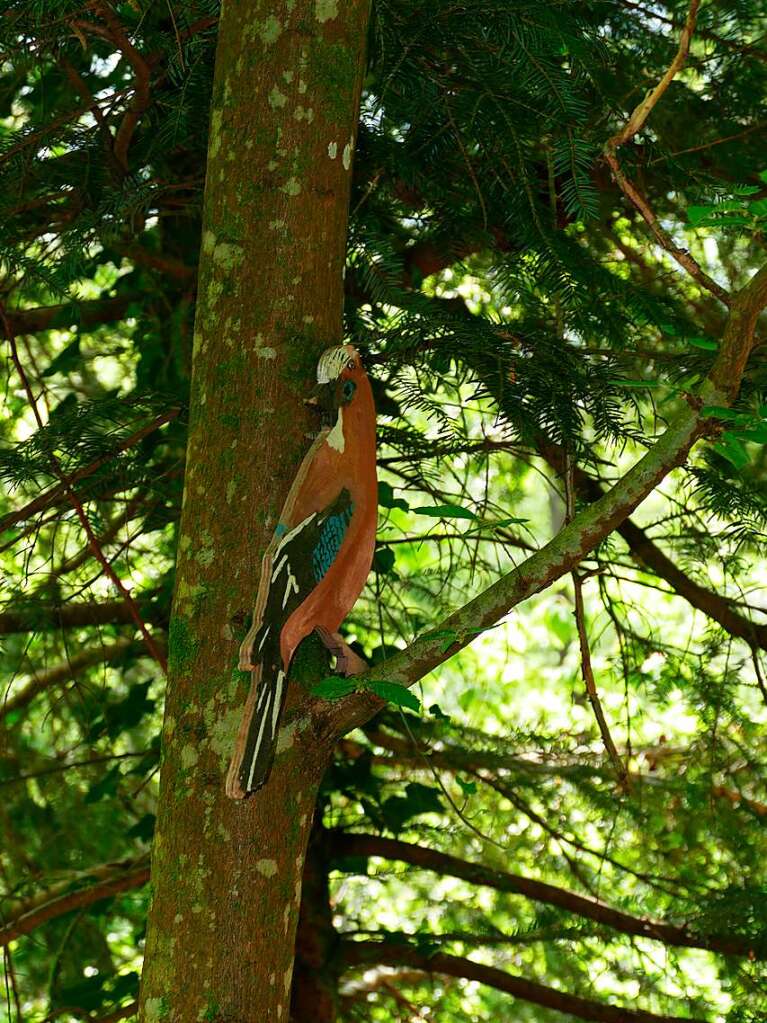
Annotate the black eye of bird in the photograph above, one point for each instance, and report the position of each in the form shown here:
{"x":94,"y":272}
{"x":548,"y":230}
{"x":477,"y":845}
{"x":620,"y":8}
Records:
{"x":349,"y":388}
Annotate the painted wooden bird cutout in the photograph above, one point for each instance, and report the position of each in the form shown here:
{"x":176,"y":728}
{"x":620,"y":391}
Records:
{"x":317,"y":562}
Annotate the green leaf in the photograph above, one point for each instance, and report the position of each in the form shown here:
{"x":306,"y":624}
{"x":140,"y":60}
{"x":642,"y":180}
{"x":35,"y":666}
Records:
{"x":398,"y":810}
{"x":732,"y":449}
{"x":67,"y":359}
{"x":719,"y":412}
{"x":697,"y":213}
{"x":436,"y":711}
{"x":386,"y":498}
{"x":143,"y":828}
{"x":703,"y":342}
{"x":383,"y":560}
{"x":763,"y":175}
{"x":445,"y":511}
{"x":424,"y":798}
{"x":467,"y":787}
{"x":105,"y":786}
{"x":400,"y":696}
{"x":334,"y":687}
{"x":758,"y":207}
{"x":634,"y":383}
{"x":758,"y":434}
{"x":447,"y":636}
{"x":499,"y":523}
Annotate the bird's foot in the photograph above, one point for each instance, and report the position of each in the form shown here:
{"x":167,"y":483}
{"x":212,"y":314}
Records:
{"x":347,"y":661}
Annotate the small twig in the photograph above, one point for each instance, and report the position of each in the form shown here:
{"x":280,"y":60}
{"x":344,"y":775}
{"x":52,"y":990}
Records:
{"x":634,"y":124}
{"x":759,"y":676}
{"x":116,"y":34}
{"x":10,"y":981}
{"x":583,"y":639}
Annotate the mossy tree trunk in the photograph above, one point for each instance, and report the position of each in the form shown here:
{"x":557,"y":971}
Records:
{"x":226,"y":876}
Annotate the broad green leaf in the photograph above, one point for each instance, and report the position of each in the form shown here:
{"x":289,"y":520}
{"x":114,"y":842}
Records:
{"x":758,"y":435}
{"x":445,"y":511}
{"x":703,"y":342}
{"x":467,"y":787}
{"x":67,"y":359}
{"x":697,"y":213}
{"x":720,"y":412}
{"x":635,"y":383}
{"x":386,"y":498}
{"x":732,"y":449}
{"x":400,"y":696}
{"x":383,"y":560}
{"x":334,"y":687}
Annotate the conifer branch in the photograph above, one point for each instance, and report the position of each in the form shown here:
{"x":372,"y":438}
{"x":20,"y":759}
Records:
{"x":59,"y":491}
{"x":634,"y":124}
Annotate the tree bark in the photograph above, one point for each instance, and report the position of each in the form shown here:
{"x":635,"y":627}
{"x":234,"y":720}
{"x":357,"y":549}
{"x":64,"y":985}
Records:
{"x":226,"y":876}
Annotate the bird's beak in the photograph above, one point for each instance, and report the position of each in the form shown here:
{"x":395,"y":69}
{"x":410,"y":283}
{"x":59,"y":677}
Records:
{"x":321,"y":397}
{"x":322,"y":400}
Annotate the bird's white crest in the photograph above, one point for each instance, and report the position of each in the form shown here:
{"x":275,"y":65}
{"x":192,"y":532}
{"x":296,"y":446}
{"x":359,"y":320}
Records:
{"x":332,"y":361}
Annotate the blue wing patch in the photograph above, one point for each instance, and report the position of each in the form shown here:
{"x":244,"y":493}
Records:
{"x":330,"y":539}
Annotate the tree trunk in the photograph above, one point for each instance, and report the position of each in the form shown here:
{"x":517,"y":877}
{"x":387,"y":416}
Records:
{"x":314,"y":997}
{"x":226,"y":876}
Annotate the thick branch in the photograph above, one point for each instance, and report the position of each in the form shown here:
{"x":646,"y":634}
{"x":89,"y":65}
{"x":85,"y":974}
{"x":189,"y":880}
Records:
{"x":345,"y":844}
{"x":110,"y":879}
{"x":39,"y":618}
{"x":359,"y":953}
{"x":70,"y":314}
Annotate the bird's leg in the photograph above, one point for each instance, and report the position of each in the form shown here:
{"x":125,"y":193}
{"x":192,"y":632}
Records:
{"x":347,"y":662}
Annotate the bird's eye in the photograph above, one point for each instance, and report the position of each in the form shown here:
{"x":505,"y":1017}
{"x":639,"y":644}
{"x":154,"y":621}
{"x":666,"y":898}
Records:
{"x":351,"y":364}
{"x":349,"y":388}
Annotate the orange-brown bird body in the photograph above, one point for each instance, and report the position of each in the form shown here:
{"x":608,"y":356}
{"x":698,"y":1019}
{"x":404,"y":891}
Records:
{"x":317,"y":562}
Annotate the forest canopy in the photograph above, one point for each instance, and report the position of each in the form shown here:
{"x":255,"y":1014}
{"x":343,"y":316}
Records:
{"x":546,"y":798}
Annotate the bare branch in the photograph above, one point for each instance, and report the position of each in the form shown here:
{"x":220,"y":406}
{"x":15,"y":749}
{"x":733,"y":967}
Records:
{"x":634,"y":124}
{"x":363,"y":953}
{"x":39,"y":618}
{"x":349,"y":844}
{"x":109,"y":879}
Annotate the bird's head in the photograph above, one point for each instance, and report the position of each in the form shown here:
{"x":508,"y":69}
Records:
{"x":339,"y":374}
